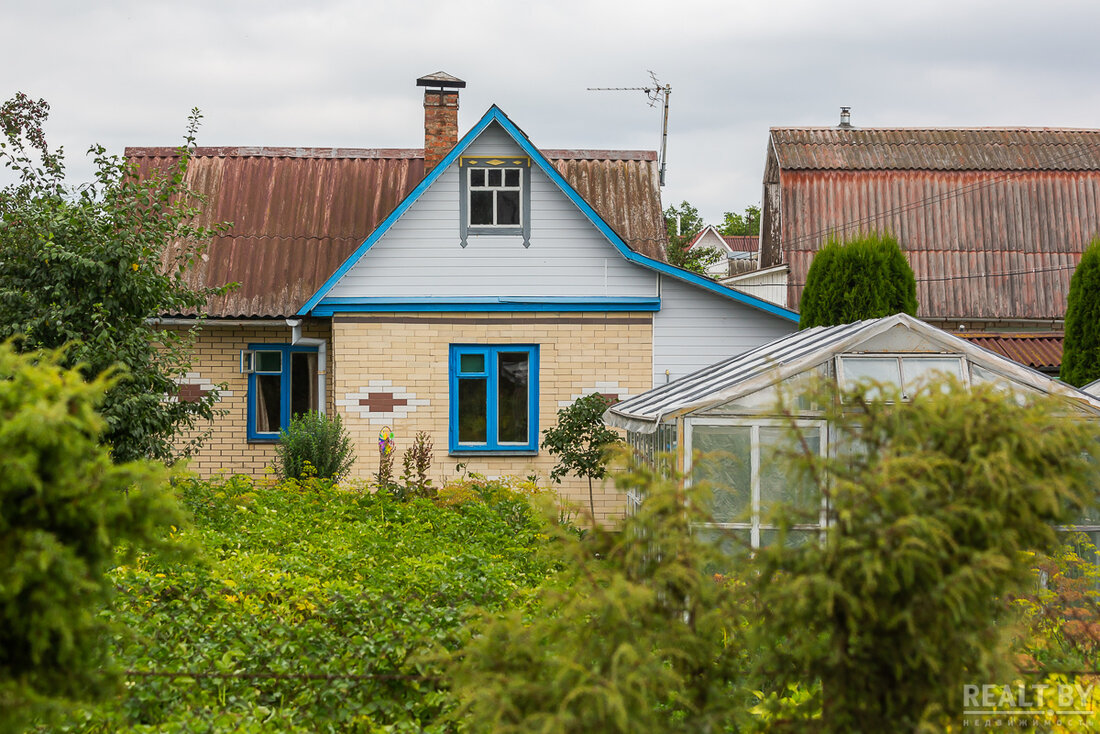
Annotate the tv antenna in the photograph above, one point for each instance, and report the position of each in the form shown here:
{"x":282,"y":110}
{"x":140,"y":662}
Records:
{"x":656,"y":93}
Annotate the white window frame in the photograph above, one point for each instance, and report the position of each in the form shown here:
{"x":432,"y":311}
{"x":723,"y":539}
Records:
{"x":755,"y":526}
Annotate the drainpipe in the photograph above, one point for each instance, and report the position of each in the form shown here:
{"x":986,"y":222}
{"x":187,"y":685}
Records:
{"x":296,"y":338}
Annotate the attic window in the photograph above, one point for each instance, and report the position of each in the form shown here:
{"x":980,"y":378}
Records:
{"x":495,"y":197}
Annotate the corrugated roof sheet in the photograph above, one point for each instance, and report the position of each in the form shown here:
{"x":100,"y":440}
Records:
{"x":993,"y":220}
{"x":742,"y":243}
{"x":298,"y":213}
{"x":1038,"y":351}
{"x":788,"y":356}
{"x":944,"y":149}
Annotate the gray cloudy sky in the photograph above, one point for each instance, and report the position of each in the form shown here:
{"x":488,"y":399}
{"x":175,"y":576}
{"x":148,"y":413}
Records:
{"x":342,"y":73}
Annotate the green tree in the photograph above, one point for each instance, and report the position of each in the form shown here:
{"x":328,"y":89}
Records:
{"x":935,"y":503}
{"x":865,"y":278}
{"x":89,"y":267}
{"x":635,"y":637}
{"x":1081,"y":354}
{"x":581,"y":440}
{"x":683,"y":224}
{"x":64,"y":510}
{"x":741,"y":224}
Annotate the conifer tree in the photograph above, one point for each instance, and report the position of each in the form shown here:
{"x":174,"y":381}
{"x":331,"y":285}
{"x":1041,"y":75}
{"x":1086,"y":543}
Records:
{"x":866,"y":278}
{"x":1081,"y":354}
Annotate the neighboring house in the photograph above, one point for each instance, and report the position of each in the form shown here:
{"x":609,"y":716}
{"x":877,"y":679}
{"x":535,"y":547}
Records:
{"x":730,"y":410}
{"x":993,"y":220}
{"x":470,"y":295}
{"x":737,"y":253}
{"x":767,"y":283}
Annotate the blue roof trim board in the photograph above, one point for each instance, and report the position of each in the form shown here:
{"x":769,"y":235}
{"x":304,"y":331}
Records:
{"x":495,"y":114}
{"x":386,"y":304}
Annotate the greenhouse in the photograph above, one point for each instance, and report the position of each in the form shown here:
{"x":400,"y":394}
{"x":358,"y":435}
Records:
{"x":732,"y":410}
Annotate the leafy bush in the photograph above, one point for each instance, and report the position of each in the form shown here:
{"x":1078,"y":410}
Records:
{"x":314,"y":445}
{"x":417,"y":462}
{"x":64,"y":510}
{"x":315,"y":608}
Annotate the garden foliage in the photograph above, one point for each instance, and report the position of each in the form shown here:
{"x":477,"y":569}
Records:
{"x":89,"y":266}
{"x":315,"y":608}
{"x":314,"y":445}
{"x":1081,"y":356}
{"x":65,"y":509}
{"x":865,"y":278}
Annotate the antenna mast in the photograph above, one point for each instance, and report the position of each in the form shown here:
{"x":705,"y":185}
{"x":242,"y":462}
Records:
{"x":655,"y":93}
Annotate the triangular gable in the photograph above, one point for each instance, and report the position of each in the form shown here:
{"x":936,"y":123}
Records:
{"x":494,"y":114}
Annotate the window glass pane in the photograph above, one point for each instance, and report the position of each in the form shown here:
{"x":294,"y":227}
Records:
{"x":269,"y":361}
{"x":477,"y":176}
{"x":507,"y":207}
{"x":795,"y":538}
{"x":778,"y":485}
{"x":303,"y":383}
{"x":917,"y":370}
{"x":472,"y":394}
{"x":511,"y":177}
{"x":268,"y":398}
{"x":512,"y":379}
{"x":481,"y":207}
{"x":468,"y":363}
{"x":723,"y":461}
{"x":494,"y":177}
{"x":879,"y":369}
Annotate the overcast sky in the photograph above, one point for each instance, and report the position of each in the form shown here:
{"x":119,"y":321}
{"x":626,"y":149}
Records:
{"x":342,"y":74}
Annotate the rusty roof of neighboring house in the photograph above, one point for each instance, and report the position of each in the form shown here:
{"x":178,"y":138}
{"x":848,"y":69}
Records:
{"x":1040,"y":351}
{"x":940,"y":149}
{"x":993,"y":220}
{"x":298,"y":213}
{"x":742,"y":242}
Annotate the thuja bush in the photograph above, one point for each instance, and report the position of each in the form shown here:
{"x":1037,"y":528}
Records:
{"x":314,"y":445}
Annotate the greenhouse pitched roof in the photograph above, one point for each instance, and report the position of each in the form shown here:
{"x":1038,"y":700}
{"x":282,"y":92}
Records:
{"x":795,"y":353}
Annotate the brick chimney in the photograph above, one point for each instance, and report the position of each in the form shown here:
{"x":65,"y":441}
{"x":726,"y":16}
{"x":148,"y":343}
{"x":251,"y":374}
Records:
{"x":440,"y":116}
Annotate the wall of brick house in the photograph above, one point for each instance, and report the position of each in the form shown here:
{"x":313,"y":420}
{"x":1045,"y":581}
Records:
{"x":216,"y":361}
{"x":392,"y":370}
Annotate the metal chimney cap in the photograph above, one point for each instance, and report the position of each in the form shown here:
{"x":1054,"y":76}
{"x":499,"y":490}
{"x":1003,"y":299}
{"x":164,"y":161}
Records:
{"x":441,"y":80}
{"x":845,"y":117}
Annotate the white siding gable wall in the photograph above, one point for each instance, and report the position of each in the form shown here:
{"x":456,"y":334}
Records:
{"x":420,"y":255}
{"x":696,"y":328}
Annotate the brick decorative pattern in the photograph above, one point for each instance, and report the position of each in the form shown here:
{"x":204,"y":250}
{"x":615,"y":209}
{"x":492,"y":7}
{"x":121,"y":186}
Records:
{"x":380,"y":402}
{"x":612,"y":391}
{"x":407,"y":356}
{"x":193,"y":387}
{"x":217,"y":359}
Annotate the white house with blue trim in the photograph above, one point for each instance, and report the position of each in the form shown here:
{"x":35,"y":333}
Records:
{"x":491,"y":296}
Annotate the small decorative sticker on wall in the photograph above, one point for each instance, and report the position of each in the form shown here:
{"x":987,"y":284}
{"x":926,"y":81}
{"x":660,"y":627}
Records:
{"x":380,"y":402}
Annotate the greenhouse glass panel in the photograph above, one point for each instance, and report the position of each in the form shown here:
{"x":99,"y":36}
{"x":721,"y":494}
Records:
{"x":779,"y":485}
{"x":725,"y":461}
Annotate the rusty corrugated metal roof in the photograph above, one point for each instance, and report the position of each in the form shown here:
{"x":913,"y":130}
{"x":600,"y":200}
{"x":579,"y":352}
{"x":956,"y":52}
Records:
{"x":1038,"y":351}
{"x":298,"y":213}
{"x":742,"y":242}
{"x":942,"y":149}
{"x":993,"y":221}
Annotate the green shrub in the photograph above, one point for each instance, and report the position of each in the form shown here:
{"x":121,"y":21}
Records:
{"x":1081,"y":357}
{"x":314,"y":445}
{"x":866,"y":278}
{"x":65,"y":509}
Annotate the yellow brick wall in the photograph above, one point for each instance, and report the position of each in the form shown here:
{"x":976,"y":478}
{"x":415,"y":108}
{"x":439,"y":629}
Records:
{"x":407,"y":355}
{"x":216,"y":360}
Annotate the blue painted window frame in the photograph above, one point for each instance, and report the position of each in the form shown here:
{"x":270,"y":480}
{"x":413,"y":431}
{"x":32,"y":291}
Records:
{"x":284,"y":388}
{"x":491,"y":353}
